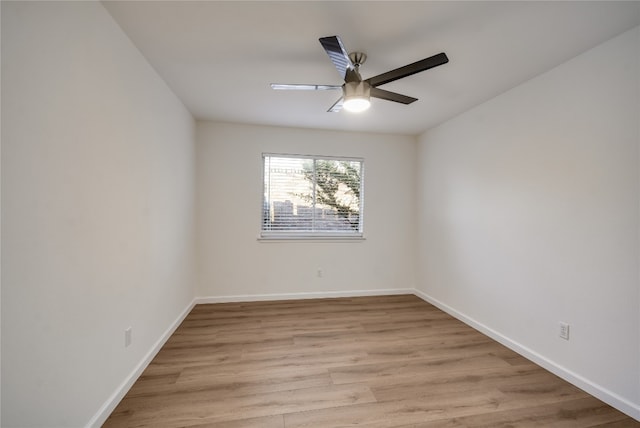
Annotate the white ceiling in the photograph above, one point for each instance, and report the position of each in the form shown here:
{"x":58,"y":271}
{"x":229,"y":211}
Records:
{"x":220,"y":57}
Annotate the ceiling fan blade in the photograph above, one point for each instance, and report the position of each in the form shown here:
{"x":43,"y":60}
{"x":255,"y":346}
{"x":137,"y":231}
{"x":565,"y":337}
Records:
{"x":297,"y":87}
{"x":336,"y":107}
{"x":408,"y":70}
{"x":338,"y":54}
{"x":391,"y":96}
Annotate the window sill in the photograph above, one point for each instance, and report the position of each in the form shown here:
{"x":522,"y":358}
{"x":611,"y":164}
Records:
{"x":311,"y":238}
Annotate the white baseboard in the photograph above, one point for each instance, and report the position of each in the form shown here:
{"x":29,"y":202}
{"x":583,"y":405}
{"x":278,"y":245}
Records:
{"x":609,"y":397}
{"x":309,"y":295}
{"x":108,"y":407}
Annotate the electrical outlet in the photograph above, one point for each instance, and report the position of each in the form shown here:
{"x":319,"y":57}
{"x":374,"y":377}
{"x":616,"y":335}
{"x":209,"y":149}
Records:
{"x":127,"y":337}
{"x":319,"y":273}
{"x":564,"y":331}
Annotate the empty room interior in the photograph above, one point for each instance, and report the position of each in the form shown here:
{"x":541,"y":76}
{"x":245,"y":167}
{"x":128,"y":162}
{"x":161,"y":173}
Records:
{"x":196,"y":231}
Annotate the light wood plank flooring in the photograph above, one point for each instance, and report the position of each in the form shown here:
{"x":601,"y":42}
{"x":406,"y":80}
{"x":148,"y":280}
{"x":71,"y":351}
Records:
{"x":389,"y":361}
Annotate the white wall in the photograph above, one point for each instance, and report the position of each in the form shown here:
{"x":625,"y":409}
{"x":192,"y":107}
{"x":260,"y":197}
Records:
{"x":97,"y":221}
{"x":529,"y":215}
{"x":232,"y":262}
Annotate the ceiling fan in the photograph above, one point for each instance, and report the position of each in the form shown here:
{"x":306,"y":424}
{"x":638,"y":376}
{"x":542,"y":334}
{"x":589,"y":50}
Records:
{"x":356,"y":91}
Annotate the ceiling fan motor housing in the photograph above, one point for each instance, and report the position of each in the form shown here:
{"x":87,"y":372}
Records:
{"x":360,"y":89}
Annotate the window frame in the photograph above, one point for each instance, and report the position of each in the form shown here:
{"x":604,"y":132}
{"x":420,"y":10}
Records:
{"x":292,"y":235}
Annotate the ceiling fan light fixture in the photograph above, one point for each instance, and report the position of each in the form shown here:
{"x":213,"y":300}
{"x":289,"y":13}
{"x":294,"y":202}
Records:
{"x":356,"y":104}
{"x":356,"y":96}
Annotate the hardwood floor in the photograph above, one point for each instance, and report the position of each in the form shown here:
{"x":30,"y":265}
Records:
{"x":389,"y":361}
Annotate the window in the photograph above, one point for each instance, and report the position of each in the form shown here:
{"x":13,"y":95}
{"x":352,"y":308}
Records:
{"x":311,"y":196}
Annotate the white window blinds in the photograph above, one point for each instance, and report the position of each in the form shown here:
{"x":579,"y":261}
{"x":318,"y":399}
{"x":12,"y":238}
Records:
{"x":312,"y":196}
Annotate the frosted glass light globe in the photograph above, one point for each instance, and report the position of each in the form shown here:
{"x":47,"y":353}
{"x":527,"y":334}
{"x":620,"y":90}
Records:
{"x":356,"y":104}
